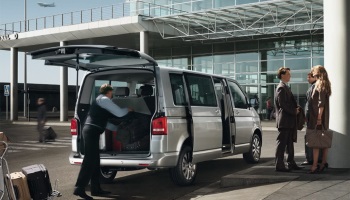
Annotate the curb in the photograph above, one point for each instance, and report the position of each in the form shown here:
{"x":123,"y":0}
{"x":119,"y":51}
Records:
{"x":237,"y":180}
{"x":47,"y":123}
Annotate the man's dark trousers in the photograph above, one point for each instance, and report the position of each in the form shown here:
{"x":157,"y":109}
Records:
{"x":90,"y":168}
{"x":284,"y":141}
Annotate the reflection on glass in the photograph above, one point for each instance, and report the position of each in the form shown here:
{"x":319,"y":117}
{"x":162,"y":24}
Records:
{"x":247,"y":56}
{"x":223,"y":58}
{"x":203,"y":68}
{"x":299,"y":92}
{"x":271,"y":44}
{"x":318,"y":51}
{"x":165,"y":62}
{"x":271,"y":77}
{"x":303,"y":51}
{"x":297,"y":64}
{"x":299,"y":76}
{"x":223,"y":3}
{"x":201,"y":5}
{"x":247,"y":78}
{"x":238,"y":2}
{"x":271,"y":65}
{"x":319,"y":61}
{"x":181,"y":63}
{"x":247,"y":67}
{"x":272,"y":54}
{"x":298,"y":42}
{"x":226,"y":69}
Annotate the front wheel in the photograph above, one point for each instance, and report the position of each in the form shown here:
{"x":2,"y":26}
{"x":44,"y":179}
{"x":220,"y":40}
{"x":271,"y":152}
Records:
{"x":107,"y":175}
{"x":185,"y":171}
{"x":253,"y":156}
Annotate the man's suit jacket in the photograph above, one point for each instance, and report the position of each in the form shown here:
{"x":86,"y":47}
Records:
{"x":285,"y":107}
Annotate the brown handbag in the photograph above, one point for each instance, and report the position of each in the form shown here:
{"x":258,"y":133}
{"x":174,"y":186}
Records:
{"x":316,"y":138}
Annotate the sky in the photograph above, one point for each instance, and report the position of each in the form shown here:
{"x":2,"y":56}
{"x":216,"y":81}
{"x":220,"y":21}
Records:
{"x":37,"y":72}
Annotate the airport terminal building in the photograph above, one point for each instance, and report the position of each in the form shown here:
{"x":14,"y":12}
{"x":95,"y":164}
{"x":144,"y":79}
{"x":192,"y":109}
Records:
{"x":244,"y":39}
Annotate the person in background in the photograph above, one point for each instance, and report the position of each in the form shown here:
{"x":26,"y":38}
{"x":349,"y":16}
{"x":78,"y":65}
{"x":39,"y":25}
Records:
{"x":100,"y":110}
{"x":308,"y":151}
{"x":286,"y":123}
{"x":269,"y":108}
{"x":319,"y":112}
{"x":41,"y":118}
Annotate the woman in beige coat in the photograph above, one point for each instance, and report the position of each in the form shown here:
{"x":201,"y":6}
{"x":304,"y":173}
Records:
{"x":319,"y":113}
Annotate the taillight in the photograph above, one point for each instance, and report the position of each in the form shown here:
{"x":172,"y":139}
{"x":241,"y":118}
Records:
{"x":73,"y":126}
{"x":160,"y":126}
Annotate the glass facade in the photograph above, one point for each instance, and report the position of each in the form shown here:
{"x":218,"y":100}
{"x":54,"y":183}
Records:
{"x":252,"y":63}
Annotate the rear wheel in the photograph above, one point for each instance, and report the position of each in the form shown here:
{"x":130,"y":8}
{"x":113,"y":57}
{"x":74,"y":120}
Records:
{"x":253,"y":156}
{"x":185,"y":171}
{"x":107,"y":175}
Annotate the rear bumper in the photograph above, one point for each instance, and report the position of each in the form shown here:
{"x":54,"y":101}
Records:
{"x":163,"y":160}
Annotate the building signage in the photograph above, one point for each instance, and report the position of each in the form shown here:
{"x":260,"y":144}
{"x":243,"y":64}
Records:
{"x":9,"y":37}
{"x":6,"y":90}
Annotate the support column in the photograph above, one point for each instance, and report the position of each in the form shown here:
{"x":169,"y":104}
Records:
{"x":14,"y":85}
{"x":63,"y":91}
{"x":25,"y":92}
{"x":337,"y":62}
{"x":144,"y":42}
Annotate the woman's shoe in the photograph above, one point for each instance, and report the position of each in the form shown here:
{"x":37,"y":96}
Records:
{"x":315,"y":171}
{"x":323,"y":167}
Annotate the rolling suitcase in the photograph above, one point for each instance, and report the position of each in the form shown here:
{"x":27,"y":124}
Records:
{"x":20,"y":186}
{"x":50,"y":134}
{"x":38,"y":181}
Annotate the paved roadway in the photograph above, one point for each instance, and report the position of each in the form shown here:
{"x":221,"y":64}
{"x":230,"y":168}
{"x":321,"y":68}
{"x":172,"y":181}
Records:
{"x":141,"y":184}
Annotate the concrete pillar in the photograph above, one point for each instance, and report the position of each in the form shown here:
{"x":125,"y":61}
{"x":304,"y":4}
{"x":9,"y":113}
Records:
{"x":25,"y":94}
{"x":14,"y":85}
{"x":144,"y":42}
{"x":337,"y":62}
{"x":63,"y":91}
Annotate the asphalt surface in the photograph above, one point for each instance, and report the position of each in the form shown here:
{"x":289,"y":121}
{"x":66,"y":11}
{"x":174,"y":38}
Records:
{"x":225,"y":178}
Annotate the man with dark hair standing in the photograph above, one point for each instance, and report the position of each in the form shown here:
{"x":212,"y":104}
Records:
{"x":100,"y":110}
{"x":286,"y":112}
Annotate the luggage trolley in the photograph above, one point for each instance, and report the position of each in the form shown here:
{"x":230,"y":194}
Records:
{"x":6,"y":188}
{"x":4,"y":172}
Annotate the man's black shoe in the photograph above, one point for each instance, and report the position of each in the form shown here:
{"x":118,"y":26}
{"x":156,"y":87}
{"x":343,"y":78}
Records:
{"x":306,"y":163}
{"x":282,"y":170}
{"x":81,"y":193}
{"x":294,"y":166}
{"x":99,"y":192}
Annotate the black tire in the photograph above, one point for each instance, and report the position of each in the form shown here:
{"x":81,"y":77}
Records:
{"x":107,"y":175}
{"x":253,"y":156}
{"x":185,"y":171}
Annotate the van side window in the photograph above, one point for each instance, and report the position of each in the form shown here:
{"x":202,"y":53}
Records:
{"x":177,"y":88}
{"x":202,"y":90}
{"x":238,"y":96}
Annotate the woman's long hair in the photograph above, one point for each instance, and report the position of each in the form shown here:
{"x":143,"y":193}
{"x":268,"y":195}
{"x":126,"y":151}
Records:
{"x":322,"y":83}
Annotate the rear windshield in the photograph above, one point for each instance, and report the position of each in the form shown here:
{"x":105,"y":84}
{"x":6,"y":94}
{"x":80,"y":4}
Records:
{"x":126,"y":84}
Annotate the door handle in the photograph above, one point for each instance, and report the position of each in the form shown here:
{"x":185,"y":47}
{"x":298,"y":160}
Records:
{"x":237,"y":112}
{"x":218,"y":112}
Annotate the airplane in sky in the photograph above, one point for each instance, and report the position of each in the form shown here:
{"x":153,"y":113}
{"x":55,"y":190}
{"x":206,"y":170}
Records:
{"x":46,"y":4}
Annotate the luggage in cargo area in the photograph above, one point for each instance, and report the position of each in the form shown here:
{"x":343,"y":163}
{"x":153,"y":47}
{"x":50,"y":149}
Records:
{"x":133,"y":133}
{"x":38,"y":181}
{"x":20,"y":186}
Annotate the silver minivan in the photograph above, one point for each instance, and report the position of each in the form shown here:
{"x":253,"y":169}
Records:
{"x":188,"y":116}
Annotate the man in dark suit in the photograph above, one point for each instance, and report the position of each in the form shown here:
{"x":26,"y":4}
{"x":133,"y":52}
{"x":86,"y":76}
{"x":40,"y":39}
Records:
{"x":286,"y":112}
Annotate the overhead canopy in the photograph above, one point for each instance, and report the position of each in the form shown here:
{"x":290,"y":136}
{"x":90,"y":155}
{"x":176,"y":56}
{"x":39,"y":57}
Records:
{"x":278,"y":17}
